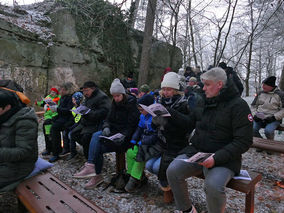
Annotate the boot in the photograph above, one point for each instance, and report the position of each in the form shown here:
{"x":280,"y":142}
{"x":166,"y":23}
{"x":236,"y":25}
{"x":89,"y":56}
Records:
{"x":132,"y":184}
{"x":94,"y":182}
{"x":168,"y":194}
{"x":87,"y":171}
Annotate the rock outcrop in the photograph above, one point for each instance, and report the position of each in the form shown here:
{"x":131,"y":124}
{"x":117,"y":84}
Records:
{"x":40,"y":47}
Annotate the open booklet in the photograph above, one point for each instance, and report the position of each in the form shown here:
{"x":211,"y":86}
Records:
{"x":199,"y":157}
{"x":156,"y":110}
{"x":113,"y":137}
{"x":81,"y":110}
{"x":50,"y":102}
{"x":244,"y":175}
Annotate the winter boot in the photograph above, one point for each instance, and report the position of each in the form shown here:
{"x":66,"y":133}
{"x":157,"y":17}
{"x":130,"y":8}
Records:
{"x":132,"y":184}
{"x":87,"y":171}
{"x":94,"y":182}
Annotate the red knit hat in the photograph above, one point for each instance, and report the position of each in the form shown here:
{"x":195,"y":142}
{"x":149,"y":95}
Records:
{"x":54,"y":90}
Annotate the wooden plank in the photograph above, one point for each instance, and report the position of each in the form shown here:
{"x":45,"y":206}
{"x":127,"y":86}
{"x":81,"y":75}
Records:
{"x":244,"y":186}
{"x":46,"y":193}
{"x":266,"y":144}
{"x":40,"y":113}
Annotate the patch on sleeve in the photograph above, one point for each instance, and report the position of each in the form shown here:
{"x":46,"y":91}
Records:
{"x":250,"y":117}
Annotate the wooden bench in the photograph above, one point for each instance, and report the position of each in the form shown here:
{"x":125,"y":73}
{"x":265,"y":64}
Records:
{"x":46,"y":193}
{"x":270,"y":145}
{"x":40,"y":113}
{"x":247,"y":187}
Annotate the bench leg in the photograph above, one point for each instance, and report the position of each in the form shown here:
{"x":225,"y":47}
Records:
{"x":120,"y":162}
{"x":250,"y":202}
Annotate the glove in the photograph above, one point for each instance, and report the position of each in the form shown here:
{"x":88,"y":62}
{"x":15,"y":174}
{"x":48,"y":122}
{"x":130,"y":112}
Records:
{"x":106,"y":131}
{"x":270,"y":119}
{"x":133,"y":142}
{"x":53,"y":108}
{"x":256,"y":119}
{"x":139,"y":143}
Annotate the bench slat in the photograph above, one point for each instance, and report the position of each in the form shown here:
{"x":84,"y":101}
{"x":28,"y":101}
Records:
{"x":244,"y":186}
{"x":46,"y":190}
{"x":266,"y":144}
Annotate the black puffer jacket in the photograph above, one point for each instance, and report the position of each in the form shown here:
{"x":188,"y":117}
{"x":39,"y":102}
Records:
{"x":99,"y":103}
{"x":225,"y":129}
{"x":64,"y":111}
{"x":123,"y":118}
{"x":175,"y":132}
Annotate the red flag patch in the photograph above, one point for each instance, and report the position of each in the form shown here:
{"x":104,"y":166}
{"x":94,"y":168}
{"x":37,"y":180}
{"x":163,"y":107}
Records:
{"x":250,"y":117}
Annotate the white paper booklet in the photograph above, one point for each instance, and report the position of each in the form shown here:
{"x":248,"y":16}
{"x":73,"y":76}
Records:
{"x":156,"y":110}
{"x":113,"y":137}
{"x":81,"y":110}
{"x":49,"y":102}
{"x":199,"y":157}
{"x":244,"y":175}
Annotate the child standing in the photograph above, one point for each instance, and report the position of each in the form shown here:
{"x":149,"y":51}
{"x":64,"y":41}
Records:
{"x":48,"y":115}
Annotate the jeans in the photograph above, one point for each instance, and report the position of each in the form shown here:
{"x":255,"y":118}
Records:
{"x":215,"y":181}
{"x":96,"y":151}
{"x":153,"y":165}
{"x":268,"y":131}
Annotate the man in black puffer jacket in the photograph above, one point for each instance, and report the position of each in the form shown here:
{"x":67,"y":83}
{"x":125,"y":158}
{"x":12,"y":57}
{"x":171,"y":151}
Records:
{"x":99,"y":103}
{"x":225,"y":129}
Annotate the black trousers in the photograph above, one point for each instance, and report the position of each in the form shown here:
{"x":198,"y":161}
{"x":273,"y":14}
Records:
{"x":57,"y":127}
{"x":84,"y":140}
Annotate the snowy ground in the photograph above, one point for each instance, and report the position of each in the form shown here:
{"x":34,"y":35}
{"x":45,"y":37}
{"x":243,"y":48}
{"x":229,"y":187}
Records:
{"x":268,"y":197}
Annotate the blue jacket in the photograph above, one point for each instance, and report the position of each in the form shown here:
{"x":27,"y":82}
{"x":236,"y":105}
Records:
{"x":144,"y":132}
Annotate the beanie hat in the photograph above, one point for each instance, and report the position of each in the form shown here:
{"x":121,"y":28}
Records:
{"x":134,"y":90}
{"x":144,"y":88}
{"x":146,"y":100}
{"x":54,"y":90}
{"x":193,"y":79}
{"x":171,"y":80}
{"x":223,"y":65}
{"x":116,"y":87}
{"x":270,"y":81}
{"x":78,"y":96}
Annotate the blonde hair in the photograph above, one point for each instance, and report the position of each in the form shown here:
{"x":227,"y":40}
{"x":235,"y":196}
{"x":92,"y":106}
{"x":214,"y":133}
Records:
{"x":176,"y":92}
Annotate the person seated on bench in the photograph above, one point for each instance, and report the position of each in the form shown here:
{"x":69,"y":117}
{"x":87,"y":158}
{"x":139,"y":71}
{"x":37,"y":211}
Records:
{"x":224,"y":129}
{"x":122,"y":118}
{"x":143,"y":136}
{"x":99,"y":104}
{"x":18,"y":140}
{"x":63,"y":121}
{"x":268,"y":109}
{"x":172,"y":131}
{"x":48,"y":115}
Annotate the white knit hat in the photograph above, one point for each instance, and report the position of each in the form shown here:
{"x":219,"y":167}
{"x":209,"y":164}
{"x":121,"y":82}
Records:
{"x":117,"y":87}
{"x":171,"y":80}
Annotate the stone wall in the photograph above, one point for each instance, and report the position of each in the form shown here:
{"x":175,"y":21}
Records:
{"x":40,"y":50}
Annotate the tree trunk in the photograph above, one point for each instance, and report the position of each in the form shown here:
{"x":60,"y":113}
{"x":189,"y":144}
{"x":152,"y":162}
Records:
{"x":147,"y":42}
{"x":281,"y":83}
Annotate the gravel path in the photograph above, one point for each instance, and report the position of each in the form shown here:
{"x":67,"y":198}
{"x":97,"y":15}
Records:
{"x":268,"y":197}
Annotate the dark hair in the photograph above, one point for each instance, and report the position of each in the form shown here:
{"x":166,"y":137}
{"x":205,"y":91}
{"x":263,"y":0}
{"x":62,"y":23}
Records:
{"x":8,"y":98}
{"x":188,"y":69}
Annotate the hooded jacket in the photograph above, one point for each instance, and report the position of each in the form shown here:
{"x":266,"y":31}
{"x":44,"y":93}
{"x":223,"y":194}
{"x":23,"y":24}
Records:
{"x":18,"y":148}
{"x":225,"y":128}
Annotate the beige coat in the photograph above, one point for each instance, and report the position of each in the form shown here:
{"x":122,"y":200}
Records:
{"x":269,"y":103}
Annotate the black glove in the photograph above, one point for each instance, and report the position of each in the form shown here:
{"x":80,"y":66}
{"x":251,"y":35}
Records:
{"x":106,"y":131}
{"x":270,"y":119}
{"x":256,"y":119}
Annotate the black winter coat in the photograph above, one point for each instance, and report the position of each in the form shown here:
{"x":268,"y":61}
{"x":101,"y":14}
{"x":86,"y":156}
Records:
{"x":123,"y":118}
{"x":225,"y":129}
{"x":176,"y":130}
{"x":64,"y":111}
{"x":99,"y":103}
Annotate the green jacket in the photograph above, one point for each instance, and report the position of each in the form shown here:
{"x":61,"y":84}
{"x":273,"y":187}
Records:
{"x":18,"y":148}
{"x":48,"y":113}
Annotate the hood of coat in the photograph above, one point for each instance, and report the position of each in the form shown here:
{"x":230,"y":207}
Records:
{"x":24,"y":113}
